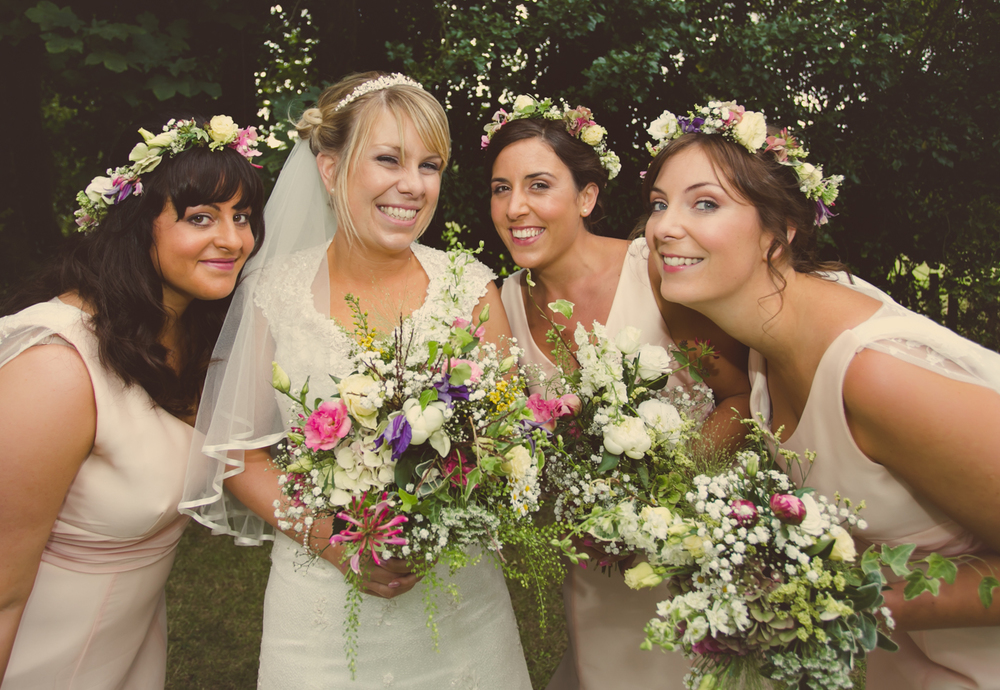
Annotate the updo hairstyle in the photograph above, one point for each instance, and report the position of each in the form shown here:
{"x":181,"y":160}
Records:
{"x":760,"y":180}
{"x":581,"y":159}
{"x":346,"y":133}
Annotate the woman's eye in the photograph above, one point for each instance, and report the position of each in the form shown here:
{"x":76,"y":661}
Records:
{"x":200,"y":219}
{"x":500,"y":189}
{"x":658,"y":206}
{"x":242,"y":218}
{"x":430,"y":166}
{"x":705,"y":205}
{"x":387,"y":159}
{"x":539,"y":185}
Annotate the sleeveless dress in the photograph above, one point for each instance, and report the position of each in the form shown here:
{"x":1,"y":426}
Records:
{"x":950,"y":659}
{"x":96,"y":617}
{"x":304,"y":607}
{"x":604,"y":617}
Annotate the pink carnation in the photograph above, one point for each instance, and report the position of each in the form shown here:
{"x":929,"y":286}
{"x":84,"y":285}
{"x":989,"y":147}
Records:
{"x":327,"y":425}
{"x":546,"y":412}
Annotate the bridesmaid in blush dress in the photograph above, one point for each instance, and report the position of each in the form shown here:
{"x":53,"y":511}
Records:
{"x":546,"y":186}
{"x":901,"y":412}
{"x":101,"y":366}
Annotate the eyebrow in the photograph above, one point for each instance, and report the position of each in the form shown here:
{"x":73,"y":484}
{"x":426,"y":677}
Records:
{"x":529,"y":176}
{"x":693,"y":187}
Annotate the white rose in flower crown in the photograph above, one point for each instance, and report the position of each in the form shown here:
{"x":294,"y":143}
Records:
{"x":628,"y":436}
{"x":522,"y":102}
{"x":843,"y":545}
{"x":517,"y":462}
{"x":222,"y":129}
{"x":809,"y":176}
{"x":653,"y":362}
{"x":97,"y":188}
{"x":664,"y":127}
{"x":354,"y":391}
{"x":628,"y":340}
{"x":812,"y":523}
{"x":661,"y":417}
{"x":751,"y":130}
{"x":592,"y":135}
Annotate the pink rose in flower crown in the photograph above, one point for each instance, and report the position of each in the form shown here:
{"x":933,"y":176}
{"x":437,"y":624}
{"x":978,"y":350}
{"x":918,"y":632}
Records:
{"x":327,"y":425}
{"x":546,"y":412}
{"x":788,"y":508}
{"x":465,"y":323}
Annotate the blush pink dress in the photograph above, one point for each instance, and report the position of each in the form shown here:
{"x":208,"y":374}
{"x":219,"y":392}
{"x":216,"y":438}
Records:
{"x":604,"y":617}
{"x":954,"y":659}
{"x":96,"y":617}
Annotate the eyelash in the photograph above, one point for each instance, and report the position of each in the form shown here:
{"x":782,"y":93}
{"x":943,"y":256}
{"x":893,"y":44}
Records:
{"x":392,"y":160}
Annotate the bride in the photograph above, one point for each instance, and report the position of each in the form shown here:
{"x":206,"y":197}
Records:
{"x":369,"y":163}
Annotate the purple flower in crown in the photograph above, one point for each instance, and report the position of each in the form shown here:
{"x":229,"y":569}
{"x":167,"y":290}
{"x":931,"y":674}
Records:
{"x":690,"y":125}
{"x":398,"y":435}
{"x":823,"y":212}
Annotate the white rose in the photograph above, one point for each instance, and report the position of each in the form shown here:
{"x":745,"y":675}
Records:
{"x":641,"y":576}
{"x":812,"y":523}
{"x":628,"y":340}
{"x":751,"y":130}
{"x":592,"y":135}
{"x":222,"y":129}
{"x":628,"y":436}
{"x":653,"y":362}
{"x":659,"y":416}
{"x":517,"y":462}
{"x":522,"y":102}
{"x":843,"y":545}
{"x":664,"y":127}
{"x":97,"y":188}
{"x":809,"y":176}
{"x":353,"y":391}
{"x":423,"y":422}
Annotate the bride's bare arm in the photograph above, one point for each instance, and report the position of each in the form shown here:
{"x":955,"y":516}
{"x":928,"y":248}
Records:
{"x":257,"y":488}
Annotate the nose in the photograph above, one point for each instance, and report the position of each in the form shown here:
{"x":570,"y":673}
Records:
{"x":517,"y":204}
{"x":228,"y":236}
{"x":410,"y":181}
{"x":665,"y":225}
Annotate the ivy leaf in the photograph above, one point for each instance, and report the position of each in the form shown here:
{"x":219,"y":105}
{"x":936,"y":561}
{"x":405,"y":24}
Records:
{"x":896,"y":557}
{"x":428,"y":396}
{"x":917,"y":583}
{"x":60,"y":44}
{"x":944,"y":568}
{"x":563,"y":307}
{"x":986,"y":587}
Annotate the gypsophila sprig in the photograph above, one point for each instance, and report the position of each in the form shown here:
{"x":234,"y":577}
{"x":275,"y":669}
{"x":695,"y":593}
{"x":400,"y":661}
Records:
{"x":177,"y":136}
{"x":579,"y":123}
{"x":765,"y":577}
{"x":749,"y":130}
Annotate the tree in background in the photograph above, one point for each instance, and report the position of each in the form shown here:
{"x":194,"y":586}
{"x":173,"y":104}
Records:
{"x":901,"y":97}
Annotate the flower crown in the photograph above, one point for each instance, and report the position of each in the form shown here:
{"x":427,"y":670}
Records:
{"x":579,"y":123}
{"x":177,"y":136}
{"x":383,"y":82}
{"x":749,"y":130}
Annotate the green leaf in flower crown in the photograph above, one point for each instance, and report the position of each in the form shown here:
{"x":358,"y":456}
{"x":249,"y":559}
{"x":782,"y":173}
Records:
{"x":563,"y":307}
{"x":917,"y":583}
{"x":428,"y":396}
{"x":986,"y":587}
{"x":944,"y":568}
{"x":896,"y":557}
{"x":608,"y":462}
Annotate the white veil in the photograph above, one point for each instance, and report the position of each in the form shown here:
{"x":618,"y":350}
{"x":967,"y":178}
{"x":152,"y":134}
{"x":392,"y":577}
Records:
{"x":238,"y":409}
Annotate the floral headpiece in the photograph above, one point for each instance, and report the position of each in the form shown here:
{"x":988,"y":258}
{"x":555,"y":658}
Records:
{"x":579,"y":123}
{"x":749,"y":129}
{"x":384,"y":82}
{"x":177,"y":136}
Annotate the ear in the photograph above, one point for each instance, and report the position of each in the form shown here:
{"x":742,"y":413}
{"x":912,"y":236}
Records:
{"x":588,"y":198}
{"x":327,"y":166}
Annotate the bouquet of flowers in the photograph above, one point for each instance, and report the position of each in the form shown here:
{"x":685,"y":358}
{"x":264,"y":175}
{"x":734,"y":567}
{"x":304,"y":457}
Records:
{"x":617,"y":432}
{"x":765,"y":578}
{"x":421,"y":455}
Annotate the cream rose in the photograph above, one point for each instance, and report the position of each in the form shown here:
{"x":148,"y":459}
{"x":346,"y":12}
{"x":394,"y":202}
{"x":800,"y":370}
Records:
{"x":354,"y":391}
{"x":628,"y":340}
{"x":813,"y":521}
{"x":843,"y":545}
{"x":663,"y":127}
{"x":523,"y":101}
{"x":628,"y":436}
{"x":592,"y":135}
{"x":642,"y":576}
{"x":517,"y":462}
{"x":654,"y":362}
{"x":695,"y":545}
{"x":751,"y":130}
{"x":97,"y":188}
{"x":809,"y":176}
{"x":661,"y":417}
{"x":222,"y":129}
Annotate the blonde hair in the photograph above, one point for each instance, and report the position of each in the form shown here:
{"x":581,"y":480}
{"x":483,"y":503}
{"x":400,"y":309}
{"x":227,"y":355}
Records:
{"x":345,"y":133}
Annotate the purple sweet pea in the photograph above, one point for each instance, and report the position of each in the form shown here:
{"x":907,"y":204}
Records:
{"x":691,"y":125}
{"x":447,"y":392}
{"x":788,"y":508}
{"x":398,"y":434}
{"x":823,"y":213}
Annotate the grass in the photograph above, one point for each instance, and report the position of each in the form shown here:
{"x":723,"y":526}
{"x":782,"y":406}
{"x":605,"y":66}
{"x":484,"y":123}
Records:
{"x":215,"y":598}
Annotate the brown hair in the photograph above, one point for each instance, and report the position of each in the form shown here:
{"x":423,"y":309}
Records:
{"x":345,"y":133}
{"x":581,"y":159}
{"x":770,"y":187}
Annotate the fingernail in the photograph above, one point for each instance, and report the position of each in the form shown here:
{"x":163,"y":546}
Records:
{"x":393,"y":585}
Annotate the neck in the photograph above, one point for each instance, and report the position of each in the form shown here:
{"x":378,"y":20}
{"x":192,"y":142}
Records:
{"x":358,"y":262}
{"x":587,"y":257}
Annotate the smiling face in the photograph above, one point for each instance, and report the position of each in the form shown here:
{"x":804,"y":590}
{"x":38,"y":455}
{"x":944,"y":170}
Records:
{"x":200,"y":254}
{"x":709,"y":242}
{"x":393,"y":186}
{"x":537,"y":209}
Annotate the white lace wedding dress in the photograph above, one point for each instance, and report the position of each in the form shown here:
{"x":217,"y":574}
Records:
{"x":478,"y":645}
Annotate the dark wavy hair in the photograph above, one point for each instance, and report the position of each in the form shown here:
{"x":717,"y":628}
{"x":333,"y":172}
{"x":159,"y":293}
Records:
{"x":581,"y":159}
{"x":759,"y":179}
{"x":111,"y":270}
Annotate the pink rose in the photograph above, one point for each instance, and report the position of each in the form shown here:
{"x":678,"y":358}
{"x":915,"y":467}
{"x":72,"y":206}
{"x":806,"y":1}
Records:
{"x":327,"y":425}
{"x":744,"y":512}
{"x":465,"y":323}
{"x":788,"y":508}
{"x":546,"y":412}
{"x":477,"y":371}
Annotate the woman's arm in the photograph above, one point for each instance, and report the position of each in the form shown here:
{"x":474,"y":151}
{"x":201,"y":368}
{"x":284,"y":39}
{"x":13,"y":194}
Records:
{"x":257,"y":488}
{"x":943,"y":438}
{"x":48,"y":419}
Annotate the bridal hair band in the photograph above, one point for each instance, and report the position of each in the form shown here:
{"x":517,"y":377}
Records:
{"x":579,"y":123}
{"x":383,"y":82}
{"x":177,"y":136}
{"x":749,"y":130}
